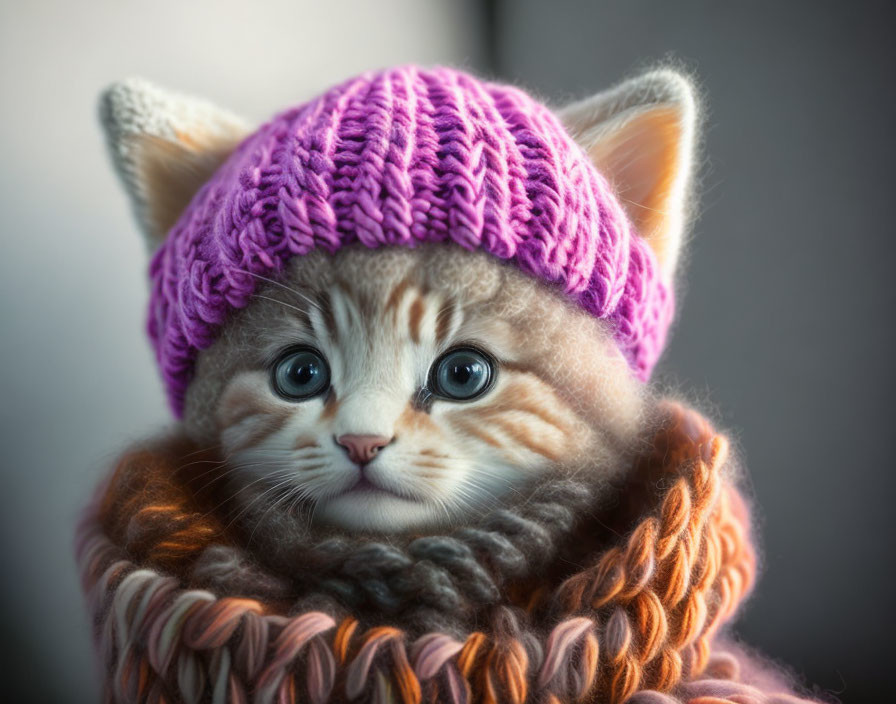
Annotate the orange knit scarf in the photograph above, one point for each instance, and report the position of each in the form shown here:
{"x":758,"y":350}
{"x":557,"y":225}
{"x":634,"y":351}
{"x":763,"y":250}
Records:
{"x":635,"y":620}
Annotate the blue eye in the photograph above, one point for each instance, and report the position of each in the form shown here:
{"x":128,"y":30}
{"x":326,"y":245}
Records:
{"x":462,"y":374}
{"x":301,"y":373}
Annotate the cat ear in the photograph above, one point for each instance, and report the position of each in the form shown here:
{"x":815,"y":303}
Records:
{"x":641,"y":136}
{"x":164,"y":147}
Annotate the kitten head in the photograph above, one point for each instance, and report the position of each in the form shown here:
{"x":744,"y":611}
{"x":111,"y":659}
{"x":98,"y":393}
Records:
{"x":394,"y":388}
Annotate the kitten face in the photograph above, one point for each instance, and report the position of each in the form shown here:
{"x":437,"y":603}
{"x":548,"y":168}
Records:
{"x":329,"y":402}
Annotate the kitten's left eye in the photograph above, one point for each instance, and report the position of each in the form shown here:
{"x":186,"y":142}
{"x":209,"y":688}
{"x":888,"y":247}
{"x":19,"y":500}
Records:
{"x":300,"y":373}
{"x":462,"y":374}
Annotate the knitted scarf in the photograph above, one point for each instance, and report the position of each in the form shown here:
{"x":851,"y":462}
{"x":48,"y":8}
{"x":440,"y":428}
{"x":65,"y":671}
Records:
{"x":554,"y":599}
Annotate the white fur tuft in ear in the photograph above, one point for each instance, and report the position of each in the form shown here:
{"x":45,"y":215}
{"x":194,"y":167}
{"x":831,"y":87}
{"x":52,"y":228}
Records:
{"x":641,"y":136}
{"x":164,"y":146}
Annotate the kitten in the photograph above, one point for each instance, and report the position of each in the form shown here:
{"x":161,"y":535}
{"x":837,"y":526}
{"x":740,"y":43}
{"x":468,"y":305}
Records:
{"x":405,"y":389}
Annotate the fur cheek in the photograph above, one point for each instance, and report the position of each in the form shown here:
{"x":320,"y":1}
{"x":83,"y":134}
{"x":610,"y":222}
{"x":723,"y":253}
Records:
{"x":246,"y":395}
{"x":414,"y":422}
{"x":248,"y":413}
{"x":279,"y":450}
{"x":523,"y":423}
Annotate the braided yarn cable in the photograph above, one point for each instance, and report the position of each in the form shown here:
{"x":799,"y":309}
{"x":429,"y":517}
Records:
{"x":441,"y":576}
{"x":635,"y":625}
{"x":396,"y":158}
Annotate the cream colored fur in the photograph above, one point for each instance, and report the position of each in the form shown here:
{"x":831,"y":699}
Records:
{"x":165,"y":146}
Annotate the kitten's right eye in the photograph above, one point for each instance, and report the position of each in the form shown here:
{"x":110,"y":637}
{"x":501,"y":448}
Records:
{"x":300,"y":373}
{"x":462,"y":374}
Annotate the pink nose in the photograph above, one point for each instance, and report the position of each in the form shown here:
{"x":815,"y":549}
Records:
{"x":362,"y":448}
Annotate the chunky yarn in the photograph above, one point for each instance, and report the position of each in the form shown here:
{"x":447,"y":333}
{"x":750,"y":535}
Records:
{"x":400,"y":157}
{"x":552,"y":600}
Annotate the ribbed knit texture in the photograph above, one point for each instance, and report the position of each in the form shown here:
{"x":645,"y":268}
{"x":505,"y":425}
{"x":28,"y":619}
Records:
{"x":400,"y":157}
{"x":184,"y":611}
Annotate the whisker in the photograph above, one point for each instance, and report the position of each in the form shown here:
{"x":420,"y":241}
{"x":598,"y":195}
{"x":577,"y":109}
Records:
{"x":227,"y":458}
{"x":240,"y":490}
{"x":195,"y":462}
{"x":196,"y":452}
{"x":258,"y":498}
{"x":264,"y":515}
{"x":293,"y":291}
{"x":282,"y":303}
{"x":234,"y":468}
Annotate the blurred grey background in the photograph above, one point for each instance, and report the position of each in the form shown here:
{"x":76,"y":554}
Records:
{"x":785,"y":329}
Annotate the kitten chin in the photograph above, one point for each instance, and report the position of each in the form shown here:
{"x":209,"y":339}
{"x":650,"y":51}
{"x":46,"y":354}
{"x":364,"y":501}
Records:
{"x":561,"y":402}
{"x":376,"y":511}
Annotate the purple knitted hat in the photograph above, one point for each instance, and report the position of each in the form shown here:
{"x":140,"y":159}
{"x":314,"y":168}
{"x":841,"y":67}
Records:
{"x":401,"y":157}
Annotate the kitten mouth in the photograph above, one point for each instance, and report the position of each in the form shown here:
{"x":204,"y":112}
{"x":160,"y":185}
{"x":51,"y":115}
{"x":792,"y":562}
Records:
{"x":366,"y":487}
